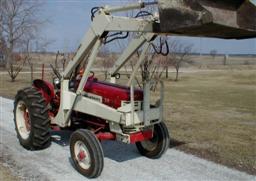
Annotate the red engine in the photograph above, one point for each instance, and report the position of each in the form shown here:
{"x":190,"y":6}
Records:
{"x":110,"y":94}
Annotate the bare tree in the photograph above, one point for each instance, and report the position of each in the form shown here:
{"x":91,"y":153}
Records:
{"x":32,"y":45}
{"x":179,"y":54}
{"x":154,"y":64}
{"x":2,"y":41}
{"x":19,"y":23}
{"x":28,"y":57}
{"x":56,"y":60}
{"x":67,"y":55}
{"x":64,"y":60}
{"x":14,"y":71}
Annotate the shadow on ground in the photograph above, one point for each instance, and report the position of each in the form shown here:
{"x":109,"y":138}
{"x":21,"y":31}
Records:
{"x":61,"y":137}
{"x":113,"y":150}
{"x":175,"y":143}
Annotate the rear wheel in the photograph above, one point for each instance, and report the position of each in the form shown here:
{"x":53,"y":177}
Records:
{"x":156,"y":146}
{"x":86,"y":153}
{"x":31,"y":119}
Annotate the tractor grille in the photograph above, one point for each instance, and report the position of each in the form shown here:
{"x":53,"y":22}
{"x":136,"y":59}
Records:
{"x":137,"y":104}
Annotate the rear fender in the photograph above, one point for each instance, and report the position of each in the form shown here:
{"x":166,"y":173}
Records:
{"x":45,"y":88}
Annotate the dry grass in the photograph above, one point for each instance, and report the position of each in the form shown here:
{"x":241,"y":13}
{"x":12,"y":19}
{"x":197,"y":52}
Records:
{"x":211,"y":114}
{"x":9,"y":89}
{"x":214,"y":115}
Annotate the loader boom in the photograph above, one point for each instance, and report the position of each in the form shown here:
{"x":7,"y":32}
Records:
{"x":200,"y":14}
{"x":102,"y":24}
{"x":98,"y":111}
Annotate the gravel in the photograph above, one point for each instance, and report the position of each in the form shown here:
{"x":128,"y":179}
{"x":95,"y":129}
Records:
{"x":122,"y":162}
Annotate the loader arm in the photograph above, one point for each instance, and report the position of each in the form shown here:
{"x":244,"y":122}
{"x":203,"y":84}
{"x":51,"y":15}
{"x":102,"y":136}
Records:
{"x":102,"y":24}
{"x":204,"y":17}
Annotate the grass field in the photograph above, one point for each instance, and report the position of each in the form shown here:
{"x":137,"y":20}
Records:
{"x":211,"y":114}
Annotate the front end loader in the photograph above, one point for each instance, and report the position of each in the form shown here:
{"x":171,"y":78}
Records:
{"x":97,"y":110}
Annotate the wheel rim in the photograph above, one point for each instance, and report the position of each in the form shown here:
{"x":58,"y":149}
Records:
{"x":82,"y":155}
{"x":23,"y":120}
{"x":152,"y":143}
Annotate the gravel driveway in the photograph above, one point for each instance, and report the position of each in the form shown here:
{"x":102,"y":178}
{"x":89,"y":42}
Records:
{"x":122,"y":162}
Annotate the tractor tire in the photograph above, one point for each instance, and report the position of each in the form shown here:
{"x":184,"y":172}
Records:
{"x":156,"y":146}
{"x":31,"y":119}
{"x":86,"y":153}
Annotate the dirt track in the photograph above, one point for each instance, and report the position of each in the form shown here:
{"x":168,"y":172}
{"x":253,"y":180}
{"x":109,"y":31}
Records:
{"x":122,"y":162}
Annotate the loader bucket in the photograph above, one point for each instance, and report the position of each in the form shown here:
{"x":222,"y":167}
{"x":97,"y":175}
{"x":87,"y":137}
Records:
{"x":228,"y":19}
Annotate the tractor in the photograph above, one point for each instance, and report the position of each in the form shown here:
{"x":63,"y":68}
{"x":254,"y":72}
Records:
{"x":103,"y":110}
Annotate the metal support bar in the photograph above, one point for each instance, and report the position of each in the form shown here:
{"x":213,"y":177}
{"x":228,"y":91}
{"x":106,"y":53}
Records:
{"x":132,"y":6}
{"x":125,"y":24}
{"x":133,"y":46}
{"x":103,"y":23}
{"x":92,"y":107}
{"x":161,"y":106}
{"x":132,"y":102}
{"x":84,"y":105}
{"x":60,"y":117}
{"x":146,"y":103}
{"x":83,"y":50}
{"x":137,"y":66}
{"x":92,"y":58}
{"x":83,"y":81}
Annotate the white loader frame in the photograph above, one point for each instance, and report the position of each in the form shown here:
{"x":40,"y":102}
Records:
{"x":125,"y":115}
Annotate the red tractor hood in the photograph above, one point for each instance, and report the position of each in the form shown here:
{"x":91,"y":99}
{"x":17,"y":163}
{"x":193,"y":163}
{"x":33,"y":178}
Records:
{"x":111,"y":94}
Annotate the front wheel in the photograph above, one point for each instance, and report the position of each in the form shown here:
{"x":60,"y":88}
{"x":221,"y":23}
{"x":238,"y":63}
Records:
{"x":156,"y":146}
{"x":86,"y":153}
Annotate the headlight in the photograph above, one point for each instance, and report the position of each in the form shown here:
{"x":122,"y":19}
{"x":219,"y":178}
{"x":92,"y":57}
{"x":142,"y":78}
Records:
{"x":56,"y":82}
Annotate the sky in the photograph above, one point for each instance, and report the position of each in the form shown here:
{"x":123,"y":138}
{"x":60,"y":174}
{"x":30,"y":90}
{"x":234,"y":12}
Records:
{"x":68,"y":20}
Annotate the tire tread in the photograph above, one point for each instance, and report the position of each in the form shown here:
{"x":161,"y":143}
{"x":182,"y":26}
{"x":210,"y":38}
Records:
{"x":161,"y":148}
{"x":40,"y":123}
{"x":97,"y":150}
